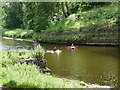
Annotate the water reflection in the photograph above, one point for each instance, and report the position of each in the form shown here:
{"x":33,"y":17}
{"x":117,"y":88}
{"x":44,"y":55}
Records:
{"x":86,"y":65}
{"x":14,"y":45}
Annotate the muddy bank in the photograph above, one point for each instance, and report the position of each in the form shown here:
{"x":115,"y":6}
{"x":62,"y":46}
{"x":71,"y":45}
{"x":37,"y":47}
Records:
{"x":89,"y":37}
{"x":81,"y":44}
{"x":19,"y":39}
{"x":66,"y":43}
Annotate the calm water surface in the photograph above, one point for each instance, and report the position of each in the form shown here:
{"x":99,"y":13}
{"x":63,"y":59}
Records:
{"x":96,"y":65}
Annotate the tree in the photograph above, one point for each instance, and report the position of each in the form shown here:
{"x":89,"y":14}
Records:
{"x":29,"y":14}
{"x":43,"y":14}
{"x":37,"y":15}
{"x":2,"y":13}
{"x":14,"y":15}
{"x":66,"y":9}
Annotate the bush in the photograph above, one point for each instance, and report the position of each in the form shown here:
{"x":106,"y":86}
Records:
{"x":38,"y":52}
{"x":11,"y":56}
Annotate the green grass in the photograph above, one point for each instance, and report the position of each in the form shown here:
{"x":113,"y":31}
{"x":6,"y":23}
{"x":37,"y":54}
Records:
{"x":28,"y":76}
{"x":18,"y":33}
{"x":37,"y":52}
{"x":11,"y":56}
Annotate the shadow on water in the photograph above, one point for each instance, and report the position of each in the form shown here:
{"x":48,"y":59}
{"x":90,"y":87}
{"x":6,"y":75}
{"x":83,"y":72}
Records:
{"x":110,"y":52}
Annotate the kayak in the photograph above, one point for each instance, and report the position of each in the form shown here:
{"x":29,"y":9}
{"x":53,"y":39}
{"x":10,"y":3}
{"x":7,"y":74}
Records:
{"x":72,"y":47}
{"x":51,"y":51}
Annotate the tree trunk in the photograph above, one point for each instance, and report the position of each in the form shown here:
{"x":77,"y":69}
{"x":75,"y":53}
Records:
{"x":68,"y":10}
{"x":63,"y":9}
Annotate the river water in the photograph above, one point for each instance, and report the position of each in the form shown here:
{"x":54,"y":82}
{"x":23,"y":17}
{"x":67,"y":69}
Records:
{"x":91,"y":64}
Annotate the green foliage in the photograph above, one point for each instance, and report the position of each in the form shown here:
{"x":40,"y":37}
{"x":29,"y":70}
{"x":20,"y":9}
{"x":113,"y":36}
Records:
{"x":83,"y":6}
{"x":35,"y":36}
{"x":86,"y":25}
{"x":38,"y":52}
{"x":2,"y":13}
{"x":86,"y":6}
{"x":87,"y":18}
{"x":14,"y":15}
{"x":29,"y":76}
{"x":79,"y":27}
{"x":37,"y":15}
{"x":19,"y":33}
{"x":29,"y":14}
{"x":11,"y":56}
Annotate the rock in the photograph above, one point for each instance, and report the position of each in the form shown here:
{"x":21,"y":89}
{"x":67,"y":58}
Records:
{"x":41,"y":63}
{"x":37,"y":61}
{"x":46,"y":70}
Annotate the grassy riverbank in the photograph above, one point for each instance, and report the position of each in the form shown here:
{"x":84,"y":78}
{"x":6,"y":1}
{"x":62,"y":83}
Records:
{"x":11,"y":56}
{"x":28,"y":76}
{"x":16,"y":75}
{"x":98,"y":26}
{"x":13,"y":74}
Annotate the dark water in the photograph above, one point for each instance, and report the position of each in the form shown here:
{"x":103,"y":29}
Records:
{"x":96,"y":65}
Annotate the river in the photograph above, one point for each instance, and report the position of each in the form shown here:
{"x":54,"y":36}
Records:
{"x":91,"y":64}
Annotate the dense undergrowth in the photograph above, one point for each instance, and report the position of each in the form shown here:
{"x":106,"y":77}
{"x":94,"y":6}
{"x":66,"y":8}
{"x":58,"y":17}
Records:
{"x":81,"y":20}
{"x":99,"y":25}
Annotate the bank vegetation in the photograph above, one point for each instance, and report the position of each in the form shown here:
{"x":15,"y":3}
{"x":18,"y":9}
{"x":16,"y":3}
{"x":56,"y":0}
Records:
{"x":79,"y":23}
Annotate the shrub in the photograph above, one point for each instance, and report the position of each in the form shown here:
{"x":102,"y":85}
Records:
{"x":11,"y":56}
{"x":38,"y":52}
